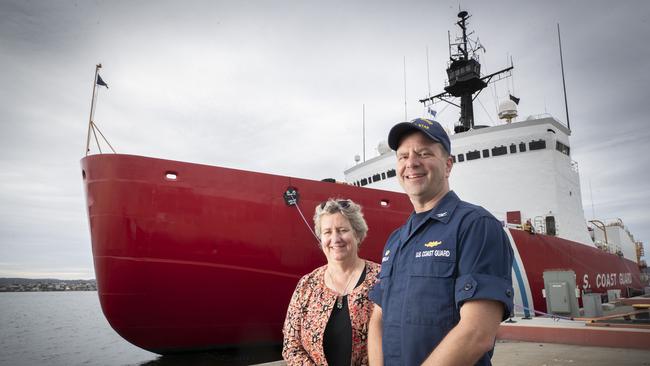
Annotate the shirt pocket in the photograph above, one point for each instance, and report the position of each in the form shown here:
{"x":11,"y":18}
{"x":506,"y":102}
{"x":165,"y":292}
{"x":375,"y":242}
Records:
{"x":430,"y":293}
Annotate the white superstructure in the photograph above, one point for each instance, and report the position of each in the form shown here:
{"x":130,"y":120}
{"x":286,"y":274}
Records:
{"x":522,"y":167}
{"x":612,"y":236}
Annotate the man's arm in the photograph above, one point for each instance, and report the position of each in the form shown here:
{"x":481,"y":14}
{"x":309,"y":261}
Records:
{"x":375,"y":354}
{"x":472,"y":337}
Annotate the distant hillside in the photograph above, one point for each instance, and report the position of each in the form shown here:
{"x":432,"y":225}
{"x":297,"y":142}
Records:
{"x":45,"y":284}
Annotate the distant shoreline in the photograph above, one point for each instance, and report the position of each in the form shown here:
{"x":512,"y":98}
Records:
{"x":45,"y":285}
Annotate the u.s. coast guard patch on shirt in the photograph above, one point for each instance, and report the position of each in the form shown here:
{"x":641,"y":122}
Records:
{"x":433,"y":252}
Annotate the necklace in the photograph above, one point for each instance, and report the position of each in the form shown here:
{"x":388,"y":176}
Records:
{"x":339,"y":299}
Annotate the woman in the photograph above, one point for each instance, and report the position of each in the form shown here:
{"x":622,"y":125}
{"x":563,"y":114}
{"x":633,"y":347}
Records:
{"x":327,"y":319}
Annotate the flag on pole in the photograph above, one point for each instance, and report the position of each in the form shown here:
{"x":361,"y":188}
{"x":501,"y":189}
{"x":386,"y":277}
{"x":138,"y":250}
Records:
{"x":101,"y":82}
{"x":432,"y":111}
{"x":514,"y":99}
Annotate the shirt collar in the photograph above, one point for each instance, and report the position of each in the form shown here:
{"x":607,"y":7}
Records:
{"x":442,"y":213}
{"x":445,"y":208}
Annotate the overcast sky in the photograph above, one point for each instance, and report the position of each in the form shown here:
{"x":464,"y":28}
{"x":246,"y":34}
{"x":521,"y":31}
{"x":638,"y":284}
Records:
{"x":278,"y":87}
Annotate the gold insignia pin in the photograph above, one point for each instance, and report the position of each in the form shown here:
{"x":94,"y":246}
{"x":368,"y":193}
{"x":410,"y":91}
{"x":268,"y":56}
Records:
{"x":432,"y":244}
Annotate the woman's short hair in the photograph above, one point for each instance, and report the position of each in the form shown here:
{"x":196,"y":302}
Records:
{"x":348,"y":209}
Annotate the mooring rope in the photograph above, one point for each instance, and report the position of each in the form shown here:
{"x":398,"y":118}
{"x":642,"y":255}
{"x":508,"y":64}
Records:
{"x":306,"y":223}
{"x":552,"y":316}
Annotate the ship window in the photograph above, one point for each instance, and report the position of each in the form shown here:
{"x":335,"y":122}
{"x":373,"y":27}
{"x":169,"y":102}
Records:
{"x":472,"y":155}
{"x":364,"y":182}
{"x":562,"y":148}
{"x":486,"y":153}
{"x":383,"y":175}
{"x":522,"y":147}
{"x":537,"y":145}
{"x":513,"y":148}
{"x":171,"y":176}
{"x":391,"y":173}
{"x":461,"y":158}
{"x":453,"y":158}
{"x":501,"y":150}
{"x":370,"y":180}
{"x":376,"y":178}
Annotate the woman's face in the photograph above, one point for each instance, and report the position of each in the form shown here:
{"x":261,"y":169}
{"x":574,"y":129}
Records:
{"x":338,"y":241}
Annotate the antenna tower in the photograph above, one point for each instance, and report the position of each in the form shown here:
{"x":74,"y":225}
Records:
{"x":464,"y":75}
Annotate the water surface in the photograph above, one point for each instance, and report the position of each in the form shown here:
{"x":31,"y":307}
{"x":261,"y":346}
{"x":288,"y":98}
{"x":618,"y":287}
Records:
{"x":69,"y":328}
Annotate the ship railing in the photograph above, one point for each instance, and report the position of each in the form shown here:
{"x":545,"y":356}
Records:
{"x":619,"y":250}
{"x":539,"y":116}
{"x":639,"y":249}
{"x":614,"y":222}
{"x":605,"y":247}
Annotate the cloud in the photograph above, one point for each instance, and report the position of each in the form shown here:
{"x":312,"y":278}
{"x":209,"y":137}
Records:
{"x":279,"y":88}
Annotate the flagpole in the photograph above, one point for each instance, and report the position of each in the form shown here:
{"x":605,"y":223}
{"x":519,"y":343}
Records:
{"x":92,"y":107}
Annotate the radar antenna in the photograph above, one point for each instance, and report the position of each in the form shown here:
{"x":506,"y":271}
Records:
{"x":464,"y":74}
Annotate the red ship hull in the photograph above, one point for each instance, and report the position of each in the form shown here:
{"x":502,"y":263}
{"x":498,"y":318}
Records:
{"x":210,"y":258}
{"x":596,"y":271}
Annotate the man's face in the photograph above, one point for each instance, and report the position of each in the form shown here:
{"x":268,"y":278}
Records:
{"x":422,"y":168}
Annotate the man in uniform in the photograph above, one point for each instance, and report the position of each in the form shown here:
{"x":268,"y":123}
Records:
{"x":445,"y":281}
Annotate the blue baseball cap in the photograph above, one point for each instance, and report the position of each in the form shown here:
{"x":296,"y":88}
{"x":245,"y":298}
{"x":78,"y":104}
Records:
{"x":429,"y":127}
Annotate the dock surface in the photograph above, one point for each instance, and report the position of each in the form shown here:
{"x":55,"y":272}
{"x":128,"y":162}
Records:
{"x":579,"y":333}
{"x":512,"y":353}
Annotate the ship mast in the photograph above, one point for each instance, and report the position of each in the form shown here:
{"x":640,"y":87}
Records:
{"x":464,"y":75}
{"x":92,"y":126}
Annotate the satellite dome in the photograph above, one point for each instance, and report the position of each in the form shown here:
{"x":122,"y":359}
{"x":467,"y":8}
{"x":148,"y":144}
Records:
{"x":507,"y":110}
{"x":382,"y":147}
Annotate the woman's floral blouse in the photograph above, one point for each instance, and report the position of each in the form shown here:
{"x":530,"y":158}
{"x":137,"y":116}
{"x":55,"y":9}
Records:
{"x":309,"y":310}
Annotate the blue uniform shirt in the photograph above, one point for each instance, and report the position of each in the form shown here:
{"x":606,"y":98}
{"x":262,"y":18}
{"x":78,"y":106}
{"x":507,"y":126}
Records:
{"x":458,"y":252}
